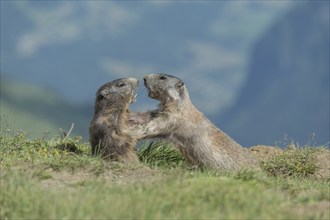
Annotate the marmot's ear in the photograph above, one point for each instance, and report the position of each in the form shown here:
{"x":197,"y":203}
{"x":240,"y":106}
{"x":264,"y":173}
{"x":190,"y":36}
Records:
{"x":105,"y":93}
{"x":179,"y":85}
{"x":180,"y":88}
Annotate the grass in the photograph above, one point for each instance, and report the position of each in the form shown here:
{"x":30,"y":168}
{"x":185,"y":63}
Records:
{"x":294,"y":162}
{"x":157,"y":154}
{"x":57,"y":178}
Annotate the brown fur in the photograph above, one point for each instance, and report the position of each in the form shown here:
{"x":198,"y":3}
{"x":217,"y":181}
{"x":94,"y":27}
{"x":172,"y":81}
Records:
{"x":178,"y":121}
{"x":107,"y":136}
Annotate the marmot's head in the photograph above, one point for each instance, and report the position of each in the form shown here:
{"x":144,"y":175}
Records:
{"x":165,"y":88}
{"x":117,"y":93}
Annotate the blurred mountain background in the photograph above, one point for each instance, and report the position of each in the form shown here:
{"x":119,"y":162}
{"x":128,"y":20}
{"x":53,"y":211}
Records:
{"x":258,"y":69}
{"x":287,"y":88}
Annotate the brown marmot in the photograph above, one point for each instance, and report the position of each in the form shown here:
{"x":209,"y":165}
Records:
{"x":178,"y":121}
{"x":106,"y":131}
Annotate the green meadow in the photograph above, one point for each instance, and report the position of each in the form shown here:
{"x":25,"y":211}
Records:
{"x":57,"y":178}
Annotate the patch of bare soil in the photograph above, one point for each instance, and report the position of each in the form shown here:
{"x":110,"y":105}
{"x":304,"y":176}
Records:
{"x":126,"y":175}
{"x":62,"y":179}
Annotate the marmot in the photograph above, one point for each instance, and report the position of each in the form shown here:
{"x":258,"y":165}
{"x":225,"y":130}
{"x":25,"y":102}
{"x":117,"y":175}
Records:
{"x":106,"y":131}
{"x":178,"y":121}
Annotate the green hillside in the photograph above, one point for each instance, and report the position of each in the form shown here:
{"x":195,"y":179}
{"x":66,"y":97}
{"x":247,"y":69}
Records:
{"x":37,"y":110}
{"x":14,"y":119}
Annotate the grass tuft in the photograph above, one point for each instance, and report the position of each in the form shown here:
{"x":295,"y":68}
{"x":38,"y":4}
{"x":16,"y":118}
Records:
{"x":161,"y":154}
{"x":295,"y":162}
{"x":55,"y":153}
{"x":246,"y":175}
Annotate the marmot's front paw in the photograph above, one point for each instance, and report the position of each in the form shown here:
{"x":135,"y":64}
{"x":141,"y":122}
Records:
{"x":136,"y":118}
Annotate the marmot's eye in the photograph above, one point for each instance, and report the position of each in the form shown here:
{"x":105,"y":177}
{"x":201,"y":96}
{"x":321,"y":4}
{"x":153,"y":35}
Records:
{"x":122,"y":84}
{"x":162,"y":77}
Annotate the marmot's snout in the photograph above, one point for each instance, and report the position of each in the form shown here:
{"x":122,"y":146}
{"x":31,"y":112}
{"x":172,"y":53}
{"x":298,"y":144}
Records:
{"x":146,"y":82}
{"x":133,"y":80}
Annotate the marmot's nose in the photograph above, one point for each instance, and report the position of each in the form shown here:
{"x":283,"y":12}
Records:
{"x":145,"y":79}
